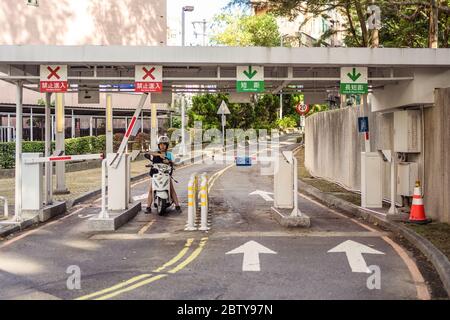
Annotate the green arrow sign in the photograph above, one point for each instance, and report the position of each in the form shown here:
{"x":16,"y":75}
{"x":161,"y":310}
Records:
{"x":354,"y":80}
{"x":353,"y":75}
{"x":250,"y":79}
{"x":250,"y":74}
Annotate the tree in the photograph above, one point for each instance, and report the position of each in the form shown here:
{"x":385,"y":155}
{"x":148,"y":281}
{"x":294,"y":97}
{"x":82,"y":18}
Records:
{"x":244,"y":30}
{"x":405,"y":23}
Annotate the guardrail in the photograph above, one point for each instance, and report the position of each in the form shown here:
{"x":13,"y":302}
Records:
{"x":5,"y":211}
{"x":197,"y":197}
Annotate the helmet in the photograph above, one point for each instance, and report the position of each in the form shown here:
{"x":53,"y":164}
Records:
{"x":163,"y":140}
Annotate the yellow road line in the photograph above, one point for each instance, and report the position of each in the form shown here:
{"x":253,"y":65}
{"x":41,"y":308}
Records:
{"x":117,"y":286}
{"x":133,"y":287}
{"x":188,"y":260}
{"x":177,"y":257}
{"x":191,"y":258}
{"x":140,"y":277}
{"x":146,"y":227}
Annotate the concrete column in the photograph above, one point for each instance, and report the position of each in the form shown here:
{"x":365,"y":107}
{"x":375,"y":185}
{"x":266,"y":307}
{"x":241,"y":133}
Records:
{"x":47,"y":152}
{"x":109,"y":124}
{"x":60,"y":168}
{"x":18,"y":164}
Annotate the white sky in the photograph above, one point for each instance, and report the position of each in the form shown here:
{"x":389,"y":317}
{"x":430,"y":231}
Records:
{"x":203,"y":9}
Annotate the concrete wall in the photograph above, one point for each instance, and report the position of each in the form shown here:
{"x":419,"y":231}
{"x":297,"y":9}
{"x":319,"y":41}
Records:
{"x":84,"y":22}
{"x":437,"y":157}
{"x":333,"y":146}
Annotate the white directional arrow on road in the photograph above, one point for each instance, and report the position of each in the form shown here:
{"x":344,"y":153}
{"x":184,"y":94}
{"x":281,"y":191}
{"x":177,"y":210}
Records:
{"x":265,"y":195}
{"x":354,"y":251}
{"x":251,"y":251}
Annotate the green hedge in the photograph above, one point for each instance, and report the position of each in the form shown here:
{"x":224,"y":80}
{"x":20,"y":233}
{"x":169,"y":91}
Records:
{"x":83,"y":145}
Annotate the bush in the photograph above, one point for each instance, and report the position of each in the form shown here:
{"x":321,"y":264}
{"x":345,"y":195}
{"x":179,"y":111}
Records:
{"x":117,"y":140}
{"x":82,"y":145}
{"x":287,"y":122}
{"x":141,"y":141}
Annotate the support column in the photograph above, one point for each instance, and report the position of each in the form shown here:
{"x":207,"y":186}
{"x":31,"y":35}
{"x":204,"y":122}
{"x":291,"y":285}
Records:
{"x":31,"y":124}
{"x":109,"y":124}
{"x":18,"y":164}
{"x":183,"y":125}
{"x":47,"y":151}
{"x":154,"y":128}
{"x":60,"y":168}
{"x":72,"y":121}
{"x":91,"y":131}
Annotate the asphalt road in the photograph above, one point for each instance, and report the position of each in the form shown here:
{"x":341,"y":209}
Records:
{"x":153,"y":257}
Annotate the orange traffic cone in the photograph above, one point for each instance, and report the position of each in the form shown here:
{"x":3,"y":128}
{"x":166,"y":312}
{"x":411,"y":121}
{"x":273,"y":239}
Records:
{"x":417,"y":214}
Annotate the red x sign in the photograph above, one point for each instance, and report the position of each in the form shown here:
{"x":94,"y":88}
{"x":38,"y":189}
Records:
{"x":148,"y":78}
{"x":148,"y":73}
{"x":53,"y":72}
{"x":53,"y":78}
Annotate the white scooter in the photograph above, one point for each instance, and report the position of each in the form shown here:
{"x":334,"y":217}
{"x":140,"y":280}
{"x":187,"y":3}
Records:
{"x":161,"y":187}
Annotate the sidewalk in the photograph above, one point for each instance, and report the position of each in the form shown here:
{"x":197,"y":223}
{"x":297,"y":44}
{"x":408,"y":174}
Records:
{"x":432,"y":240}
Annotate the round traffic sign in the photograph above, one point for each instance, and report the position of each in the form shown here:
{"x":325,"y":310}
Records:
{"x":302,"y":109}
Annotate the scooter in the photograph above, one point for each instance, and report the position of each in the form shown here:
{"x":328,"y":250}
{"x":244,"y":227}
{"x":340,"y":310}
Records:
{"x":161,"y":186}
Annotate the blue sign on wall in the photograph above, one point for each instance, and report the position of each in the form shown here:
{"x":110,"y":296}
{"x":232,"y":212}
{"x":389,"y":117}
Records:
{"x":363,"y":124}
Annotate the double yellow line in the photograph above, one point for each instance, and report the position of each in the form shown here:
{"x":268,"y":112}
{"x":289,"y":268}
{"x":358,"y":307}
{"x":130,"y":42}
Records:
{"x":144,"y":279}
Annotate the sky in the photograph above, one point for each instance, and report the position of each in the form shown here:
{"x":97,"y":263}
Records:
{"x":203,"y":9}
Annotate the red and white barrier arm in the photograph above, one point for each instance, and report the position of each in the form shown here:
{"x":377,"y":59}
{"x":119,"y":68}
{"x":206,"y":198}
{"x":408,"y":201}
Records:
{"x":130,"y":128}
{"x":64,"y":158}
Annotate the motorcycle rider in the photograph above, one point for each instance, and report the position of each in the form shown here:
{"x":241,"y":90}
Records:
{"x":162,"y":156}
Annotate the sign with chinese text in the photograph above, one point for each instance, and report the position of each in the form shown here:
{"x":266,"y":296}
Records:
{"x":148,"y":78}
{"x":53,"y":78}
{"x":250,"y":79}
{"x":354,"y":80}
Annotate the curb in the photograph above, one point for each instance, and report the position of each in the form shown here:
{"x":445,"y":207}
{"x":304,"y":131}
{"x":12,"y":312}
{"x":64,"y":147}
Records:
{"x":436,"y":257}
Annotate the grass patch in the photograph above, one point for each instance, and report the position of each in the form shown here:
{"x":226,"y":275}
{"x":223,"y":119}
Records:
{"x":438,"y":233}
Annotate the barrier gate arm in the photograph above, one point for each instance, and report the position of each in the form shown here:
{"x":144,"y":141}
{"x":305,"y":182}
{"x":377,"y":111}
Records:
{"x":115,"y":162}
{"x":64,"y":158}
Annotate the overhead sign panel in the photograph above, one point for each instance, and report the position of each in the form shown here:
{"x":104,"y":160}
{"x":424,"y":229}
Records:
{"x":354,"y":80}
{"x":250,"y":79}
{"x":148,"y":78}
{"x":53,"y":78}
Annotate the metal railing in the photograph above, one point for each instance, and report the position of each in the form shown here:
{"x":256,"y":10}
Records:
{"x":7,"y":133}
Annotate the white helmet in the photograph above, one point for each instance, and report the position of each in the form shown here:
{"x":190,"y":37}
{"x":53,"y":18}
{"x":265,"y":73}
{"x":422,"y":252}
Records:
{"x":163,"y":139}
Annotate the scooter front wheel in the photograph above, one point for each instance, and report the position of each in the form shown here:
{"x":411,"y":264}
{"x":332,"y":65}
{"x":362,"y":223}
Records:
{"x":162,"y":205}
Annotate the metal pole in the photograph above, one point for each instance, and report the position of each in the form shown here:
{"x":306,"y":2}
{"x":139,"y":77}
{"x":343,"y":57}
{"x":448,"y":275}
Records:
{"x":31,"y":124}
{"x":204,"y":32}
{"x":60,"y":168}
{"x":393,"y":209}
{"x":109,"y":124}
{"x":182,"y":27}
{"x":19,"y":127}
{"x":183,"y":120}
{"x":48,"y":146}
{"x":281,"y":106}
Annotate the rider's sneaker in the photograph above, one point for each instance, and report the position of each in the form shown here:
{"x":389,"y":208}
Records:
{"x":178,"y":209}
{"x":148,"y":210}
